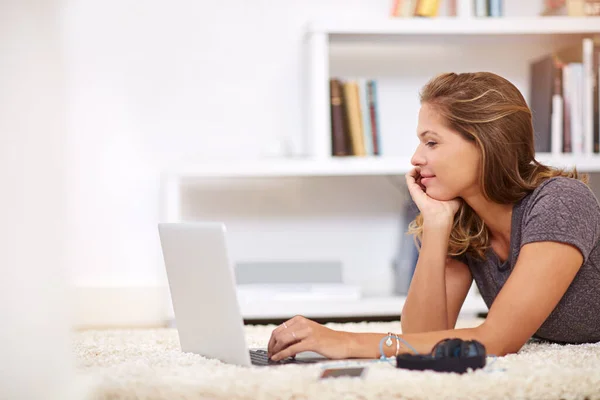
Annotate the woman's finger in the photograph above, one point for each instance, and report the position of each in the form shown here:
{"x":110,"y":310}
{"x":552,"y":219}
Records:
{"x":291,"y":351}
{"x":271,"y":343}
{"x":415,"y":172}
{"x":286,"y":325}
{"x":412,"y":176}
{"x":287,"y":338}
{"x":297,"y":322}
{"x":274,"y":334}
{"x":416,"y":192}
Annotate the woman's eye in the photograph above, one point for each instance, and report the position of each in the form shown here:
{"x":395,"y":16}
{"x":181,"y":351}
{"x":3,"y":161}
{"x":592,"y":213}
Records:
{"x":430,"y":144}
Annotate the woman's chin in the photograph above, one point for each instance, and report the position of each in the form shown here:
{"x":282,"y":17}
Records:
{"x":439,"y":195}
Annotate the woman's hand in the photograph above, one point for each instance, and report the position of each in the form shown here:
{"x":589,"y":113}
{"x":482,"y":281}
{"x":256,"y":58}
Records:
{"x":431,"y":209}
{"x":301,"y":334}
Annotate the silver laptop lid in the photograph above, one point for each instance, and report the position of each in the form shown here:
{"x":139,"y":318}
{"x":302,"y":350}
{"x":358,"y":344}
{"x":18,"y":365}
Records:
{"x":203,"y":291}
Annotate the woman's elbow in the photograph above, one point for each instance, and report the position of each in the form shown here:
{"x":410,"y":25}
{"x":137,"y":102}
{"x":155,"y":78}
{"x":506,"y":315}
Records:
{"x":497,"y":343}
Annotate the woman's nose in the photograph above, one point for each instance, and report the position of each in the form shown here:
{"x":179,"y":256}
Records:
{"x":417,"y":159}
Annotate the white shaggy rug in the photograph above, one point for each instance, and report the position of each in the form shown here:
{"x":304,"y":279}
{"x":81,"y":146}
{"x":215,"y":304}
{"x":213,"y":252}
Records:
{"x":147,"y":364}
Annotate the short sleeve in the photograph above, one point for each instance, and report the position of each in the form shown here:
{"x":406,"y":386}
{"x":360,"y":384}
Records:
{"x":563,"y":210}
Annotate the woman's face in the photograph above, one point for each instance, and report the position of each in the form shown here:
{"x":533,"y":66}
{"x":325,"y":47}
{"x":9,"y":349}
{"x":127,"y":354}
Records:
{"x":448,"y":163}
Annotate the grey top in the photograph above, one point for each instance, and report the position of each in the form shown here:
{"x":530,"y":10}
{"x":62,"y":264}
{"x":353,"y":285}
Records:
{"x":561,"y":210}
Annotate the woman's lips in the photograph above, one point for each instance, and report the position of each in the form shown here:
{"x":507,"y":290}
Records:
{"x":425,"y":180}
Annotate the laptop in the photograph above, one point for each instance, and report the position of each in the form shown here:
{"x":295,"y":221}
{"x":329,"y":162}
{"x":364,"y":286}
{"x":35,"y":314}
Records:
{"x":203,"y":291}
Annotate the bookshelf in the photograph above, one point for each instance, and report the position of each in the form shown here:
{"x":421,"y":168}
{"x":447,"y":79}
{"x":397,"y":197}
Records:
{"x":315,"y":160}
{"x":541,"y":34}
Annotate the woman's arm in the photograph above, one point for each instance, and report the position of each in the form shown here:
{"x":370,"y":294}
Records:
{"x":458,"y":284}
{"x":542,"y":274}
{"x":438,"y":287}
{"x":427,"y":307}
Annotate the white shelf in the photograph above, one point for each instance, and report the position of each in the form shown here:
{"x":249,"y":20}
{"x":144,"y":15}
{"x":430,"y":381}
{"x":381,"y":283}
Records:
{"x":334,"y":166}
{"x":341,"y":166}
{"x":366,"y":307}
{"x":584,"y":163}
{"x":459,"y":26}
{"x":469,"y":34}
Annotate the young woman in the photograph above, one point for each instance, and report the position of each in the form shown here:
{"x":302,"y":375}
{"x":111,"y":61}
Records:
{"x":527,"y":233}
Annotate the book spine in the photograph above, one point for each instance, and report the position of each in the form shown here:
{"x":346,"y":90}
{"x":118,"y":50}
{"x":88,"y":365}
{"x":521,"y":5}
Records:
{"x":557,"y":124}
{"x":481,"y":8}
{"x":365,"y":116}
{"x":339,"y":142}
{"x":596,"y":91}
{"x":576,"y":108}
{"x":451,"y":8}
{"x":465,"y":9}
{"x":396,"y":10}
{"x":495,"y":8}
{"x":567,"y":95}
{"x":409,"y":8}
{"x":372,"y":94}
{"x":587,"y":87}
{"x":427,"y":8}
{"x":354,"y":117}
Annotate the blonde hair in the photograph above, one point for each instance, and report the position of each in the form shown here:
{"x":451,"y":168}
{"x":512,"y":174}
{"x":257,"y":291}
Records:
{"x":490,"y":111}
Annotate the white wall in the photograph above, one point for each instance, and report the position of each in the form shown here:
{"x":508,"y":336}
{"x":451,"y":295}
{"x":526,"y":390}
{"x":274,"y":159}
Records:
{"x":154,"y":82}
{"x":35,"y":353}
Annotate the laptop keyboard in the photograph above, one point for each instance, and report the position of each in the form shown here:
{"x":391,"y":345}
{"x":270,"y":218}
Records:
{"x":259,"y":357}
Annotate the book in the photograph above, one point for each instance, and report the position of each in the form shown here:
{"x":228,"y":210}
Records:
{"x":405,"y":8}
{"x":596,"y":95}
{"x":545,"y":82}
{"x":365,"y":116}
{"x":354,"y":117}
{"x":339,"y":139}
{"x":427,"y":8}
{"x":374,"y":116}
{"x":465,"y":9}
{"x":481,"y":8}
{"x":495,"y":8}
{"x":572,"y":74}
{"x":581,"y":85}
{"x":572,"y":8}
{"x":396,"y":10}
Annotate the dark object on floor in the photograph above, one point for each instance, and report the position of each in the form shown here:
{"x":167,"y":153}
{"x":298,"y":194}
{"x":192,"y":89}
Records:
{"x":449,"y":355}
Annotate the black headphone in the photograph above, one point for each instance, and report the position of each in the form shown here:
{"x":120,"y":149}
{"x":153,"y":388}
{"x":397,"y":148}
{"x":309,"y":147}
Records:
{"x":449,"y":355}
